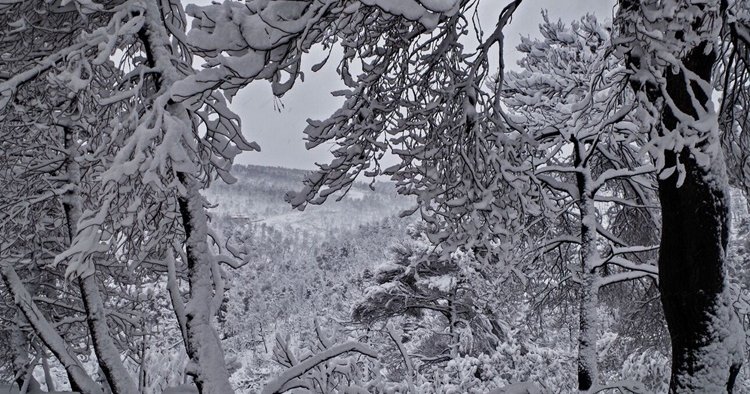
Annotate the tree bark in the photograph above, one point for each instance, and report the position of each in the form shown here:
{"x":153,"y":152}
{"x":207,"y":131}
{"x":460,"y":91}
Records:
{"x":207,"y":364}
{"x":588,"y":371}
{"x":107,"y":354}
{"x":203,"y":345}
{"x":704,"y":329}
{"x":21,"y":362}
{"x":47,"y":374}
{"x":79,"y":379}
{"x":703,"y":326}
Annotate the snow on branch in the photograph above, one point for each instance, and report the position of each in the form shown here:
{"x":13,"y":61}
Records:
{"x":292,"y":377}
{"x":622,"y":277}
{"x":612,"y":174}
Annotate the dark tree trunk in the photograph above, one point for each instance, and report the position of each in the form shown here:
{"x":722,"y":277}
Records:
{"x":695,"y":232}
{"x":703,"y":327}
{"x":695,"y":222}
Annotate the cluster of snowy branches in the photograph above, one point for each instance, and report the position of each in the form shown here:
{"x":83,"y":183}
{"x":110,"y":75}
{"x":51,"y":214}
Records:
{"x":105,"y":170}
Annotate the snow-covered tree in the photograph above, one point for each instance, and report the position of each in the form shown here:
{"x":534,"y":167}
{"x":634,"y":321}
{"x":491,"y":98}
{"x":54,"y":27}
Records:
{"x":568,"y":98}
{"x":671,"y":49}
{"x":144,"y":158}
{"x":433,"y":294}
{"x":731,"y":80}
{"x":42,"y":137}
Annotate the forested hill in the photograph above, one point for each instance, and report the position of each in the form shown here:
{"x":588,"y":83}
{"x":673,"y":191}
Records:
{"x":258,"y":196}
{"x":302,"y":265}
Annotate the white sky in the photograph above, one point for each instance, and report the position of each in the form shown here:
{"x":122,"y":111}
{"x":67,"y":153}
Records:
{"x":279,"y":130}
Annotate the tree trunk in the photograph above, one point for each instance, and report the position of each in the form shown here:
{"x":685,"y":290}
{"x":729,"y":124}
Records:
{"x":588,"y":371}
{"x":203,"y":345}
{"x":47,"y":374}
{"x":21,"y":362}
{"x":107,"y":354}
{"x":704,"y":329}
{"x":207,"y":364}
{"x":79,"y":379}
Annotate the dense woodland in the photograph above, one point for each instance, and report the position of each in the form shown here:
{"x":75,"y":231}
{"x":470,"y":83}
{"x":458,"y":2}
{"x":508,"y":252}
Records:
{"x":575,"y":223}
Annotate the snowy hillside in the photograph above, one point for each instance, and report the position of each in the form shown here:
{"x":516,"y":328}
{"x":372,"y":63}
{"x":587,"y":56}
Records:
{"x":258,"y":197}
{"x":303,"y":265}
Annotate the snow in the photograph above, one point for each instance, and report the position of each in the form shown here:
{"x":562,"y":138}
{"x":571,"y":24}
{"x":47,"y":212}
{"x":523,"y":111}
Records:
{"x":518,"y":388}
{"x":182,"y":389}
{"x":290,"y":377}
{"x":410,"y":9}
{"x":443,"y":283}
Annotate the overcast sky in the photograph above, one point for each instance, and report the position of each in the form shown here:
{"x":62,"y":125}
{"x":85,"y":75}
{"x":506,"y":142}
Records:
{"x":277,"y":124}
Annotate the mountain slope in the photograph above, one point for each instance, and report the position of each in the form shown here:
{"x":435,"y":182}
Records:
{"x":258,"y":196}
{"x":301,"y":265}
